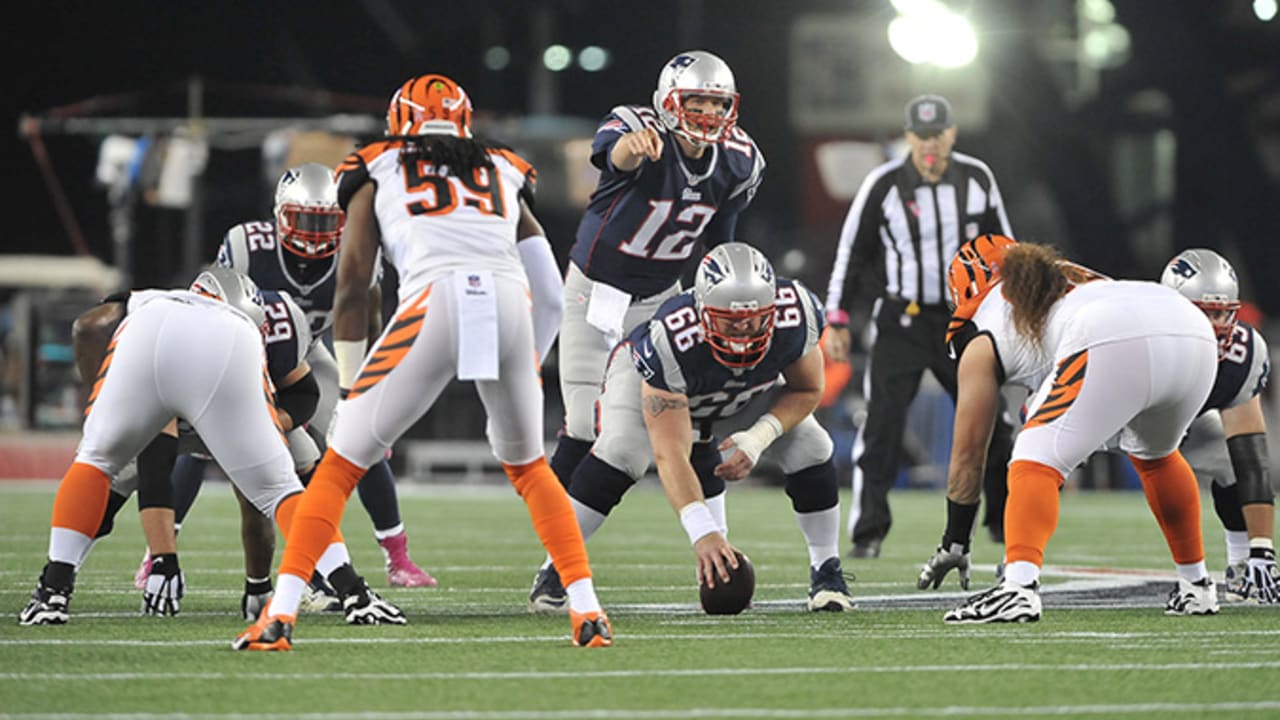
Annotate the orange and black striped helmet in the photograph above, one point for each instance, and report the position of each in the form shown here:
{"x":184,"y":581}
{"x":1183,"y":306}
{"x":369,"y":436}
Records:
{"x":430,"y":105}
{"x":974,"y":270}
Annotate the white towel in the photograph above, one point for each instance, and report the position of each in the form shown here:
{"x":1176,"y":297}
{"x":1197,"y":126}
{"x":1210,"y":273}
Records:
{"x":606,"y":310}
{"x":477,"y":325}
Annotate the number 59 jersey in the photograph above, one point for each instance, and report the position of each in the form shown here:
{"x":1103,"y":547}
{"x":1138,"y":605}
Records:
{"x":670,"y":354}
{"x":434,"y":223}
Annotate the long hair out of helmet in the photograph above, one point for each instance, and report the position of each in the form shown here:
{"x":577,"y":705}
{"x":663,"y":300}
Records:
{"x":1207,"y":279}
{"x":308,"y":218}
{"x":696,"y":73}
{"x":734,"y":289}
{"x":974,"y":271}
{"x":234,"y":288}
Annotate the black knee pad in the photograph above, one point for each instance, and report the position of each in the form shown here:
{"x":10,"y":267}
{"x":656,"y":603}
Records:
{"x":814,"y":488}
{"x":599,"y":485}
{"x":568,"y":455}
{"x":1226,"y":503}
{"x":704,"y":458}
{"x":115,"y":501}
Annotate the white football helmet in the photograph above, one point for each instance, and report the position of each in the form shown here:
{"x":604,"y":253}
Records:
{"x":308,"y":219}
{"x":1206,"y":278}
{"x":696,"y":73}
{"x":233,"y":288}
{"x":733,"y":290}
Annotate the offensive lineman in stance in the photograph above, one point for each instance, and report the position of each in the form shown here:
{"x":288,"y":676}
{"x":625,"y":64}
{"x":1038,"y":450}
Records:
{"x":200,"y":358}
{"x":711,"y":362}
{"x":448,"y":211}
{"x":674,"y":177}
{"x":1242,"y":496}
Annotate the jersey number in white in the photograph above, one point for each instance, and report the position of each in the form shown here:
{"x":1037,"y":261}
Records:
{"x":675,"y":246}
{"x":279,"y":328}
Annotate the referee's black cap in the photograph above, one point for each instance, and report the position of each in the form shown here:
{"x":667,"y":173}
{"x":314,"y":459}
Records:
{"x":929,"y":115}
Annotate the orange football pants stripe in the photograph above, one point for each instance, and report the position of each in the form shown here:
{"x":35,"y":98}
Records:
{"x":81,"y":499}
{"x":1174,"y":498}
{"x":1066,"y":388}
{"x":393,"y":346}
{"x":102,"y":374}
{"x":553,"y":518}
{"x":317,"y":515}
{"x":1031,"y":512}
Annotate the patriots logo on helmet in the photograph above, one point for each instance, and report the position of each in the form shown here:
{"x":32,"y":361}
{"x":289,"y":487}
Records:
{"x":1182,"y":268}
{"x":682,"y":61}
{"x":714,"y":273}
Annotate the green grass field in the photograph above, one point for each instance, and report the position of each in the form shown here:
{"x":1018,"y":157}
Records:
{"x":470,"y":651}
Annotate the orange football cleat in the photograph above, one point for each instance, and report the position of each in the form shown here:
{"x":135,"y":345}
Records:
{"x":591,"y":629}
{"x":273,"y":632}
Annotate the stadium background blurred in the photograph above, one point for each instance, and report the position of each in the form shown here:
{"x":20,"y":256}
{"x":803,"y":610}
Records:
{"x":1121,"y":130}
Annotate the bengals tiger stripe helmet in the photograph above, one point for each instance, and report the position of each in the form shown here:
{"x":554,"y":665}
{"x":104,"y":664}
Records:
{"x":430,"y":105}
{"x":974,"y":270}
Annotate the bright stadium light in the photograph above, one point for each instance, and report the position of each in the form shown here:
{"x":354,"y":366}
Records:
{"x":1265,"y":10}
{"x":926,"y":31}
{"x":593,"y":58}
{"x":557,"y":58}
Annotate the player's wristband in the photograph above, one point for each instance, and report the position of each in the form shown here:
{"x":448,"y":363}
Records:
{"x":960,"y":520}
{"x":837,"y":317}
{"x":697,"y":521}
{"x":1262,"y":543}
{"x":350,"y":355}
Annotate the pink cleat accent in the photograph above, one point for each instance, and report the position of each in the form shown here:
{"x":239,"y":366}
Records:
{"x":401,"y":571}
{"x":144,"y":572}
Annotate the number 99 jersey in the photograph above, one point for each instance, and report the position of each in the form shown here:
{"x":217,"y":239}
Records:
{"x":670,"y":354}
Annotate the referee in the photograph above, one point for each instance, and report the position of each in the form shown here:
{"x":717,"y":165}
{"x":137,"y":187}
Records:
{"x":906,"y":222}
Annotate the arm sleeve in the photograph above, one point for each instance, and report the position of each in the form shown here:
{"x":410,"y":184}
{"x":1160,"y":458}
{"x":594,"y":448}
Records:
{"x":300,"y":399}
{"x":546,"y":288}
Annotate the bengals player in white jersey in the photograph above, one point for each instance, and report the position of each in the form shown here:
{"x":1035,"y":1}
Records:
{"x":447,"y":211}
{"x":1100,"y":358}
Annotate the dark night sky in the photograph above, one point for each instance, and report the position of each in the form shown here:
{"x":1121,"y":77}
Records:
{"x":1218,"y":78}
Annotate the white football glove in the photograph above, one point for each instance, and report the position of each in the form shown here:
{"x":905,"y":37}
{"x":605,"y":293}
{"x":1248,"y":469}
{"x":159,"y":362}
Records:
{"x":165,"y":587}
{"x":944,"y":560}
{"x":1263,"y":576}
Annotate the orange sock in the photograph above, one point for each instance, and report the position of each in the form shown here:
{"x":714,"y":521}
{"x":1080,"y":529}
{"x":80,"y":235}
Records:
{"x":317,"y":514}
{"x":81,"y":499}
{"x":553,"y":518}
{"x":1174,"y":498}
{"x":1031,"y":512}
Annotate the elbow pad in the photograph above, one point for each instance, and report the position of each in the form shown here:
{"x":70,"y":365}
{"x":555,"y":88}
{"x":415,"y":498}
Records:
{"x":300,"y":399}
{"x":1251,"y":464}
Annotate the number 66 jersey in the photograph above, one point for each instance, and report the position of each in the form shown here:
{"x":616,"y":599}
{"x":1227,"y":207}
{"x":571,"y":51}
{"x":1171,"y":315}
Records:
{"x":433,"y":223}
{"x":670,"y":354}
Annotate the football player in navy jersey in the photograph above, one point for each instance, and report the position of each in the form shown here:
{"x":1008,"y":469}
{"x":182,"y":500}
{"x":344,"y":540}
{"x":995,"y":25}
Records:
{"x":736,"y":357}
{"x":296,"y":254}
{"x":1243,"y":497}
{"x":673,"y":179}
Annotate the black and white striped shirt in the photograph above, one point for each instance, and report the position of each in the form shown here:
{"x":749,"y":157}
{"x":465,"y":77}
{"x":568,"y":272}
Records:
{"x":909,"y":229}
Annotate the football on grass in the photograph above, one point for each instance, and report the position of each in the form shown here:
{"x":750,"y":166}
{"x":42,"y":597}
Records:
{"x":734,"y":596}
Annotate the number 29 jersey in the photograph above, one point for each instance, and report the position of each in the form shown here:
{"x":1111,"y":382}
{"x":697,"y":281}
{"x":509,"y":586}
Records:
{"x":670,"y":354}
{"x":434,"y":223}
{"x":641,"y":227}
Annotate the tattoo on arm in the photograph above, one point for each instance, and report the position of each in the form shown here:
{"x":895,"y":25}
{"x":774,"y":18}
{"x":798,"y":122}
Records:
{"x":654,"y":405}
